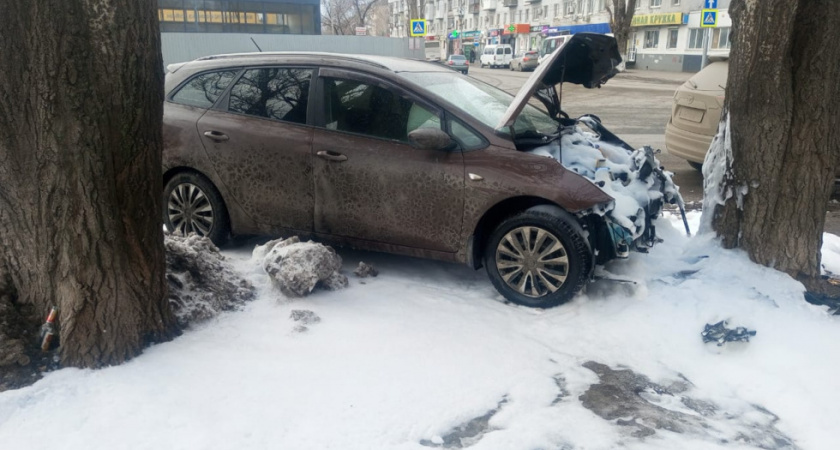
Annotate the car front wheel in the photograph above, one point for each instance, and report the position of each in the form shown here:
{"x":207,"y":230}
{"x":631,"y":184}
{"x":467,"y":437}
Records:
{"x":191,"y":204}
{"x":538,"y":258}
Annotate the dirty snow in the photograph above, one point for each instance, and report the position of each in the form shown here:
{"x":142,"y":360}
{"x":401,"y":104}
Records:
{"x":427,"y":354}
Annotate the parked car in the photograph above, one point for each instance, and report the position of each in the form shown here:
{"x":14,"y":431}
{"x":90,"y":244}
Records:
{"x":695,"y":114}
{"x":496,"y":56}
{"x":459,"y":63}
{"x":524,"y":61}
{"x":405,"y":157}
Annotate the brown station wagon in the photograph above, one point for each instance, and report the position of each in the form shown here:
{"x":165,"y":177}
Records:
{"x":390,"y":155}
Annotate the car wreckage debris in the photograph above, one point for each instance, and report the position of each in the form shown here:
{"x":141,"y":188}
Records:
{"x":720,"y":334}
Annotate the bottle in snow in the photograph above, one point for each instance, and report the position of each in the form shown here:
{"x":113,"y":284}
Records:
{"x":48,"y":329}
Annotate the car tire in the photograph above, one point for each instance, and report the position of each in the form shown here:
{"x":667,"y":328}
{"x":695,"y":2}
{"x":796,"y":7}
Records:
{"x":203,"y":203}
{"x":553,"y":236}
{"x":696,"y":166}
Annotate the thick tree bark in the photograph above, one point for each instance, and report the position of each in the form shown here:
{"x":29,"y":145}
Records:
{"x":621,"y":15}
{"x":81,"y":89}
{"x":783,"y":98}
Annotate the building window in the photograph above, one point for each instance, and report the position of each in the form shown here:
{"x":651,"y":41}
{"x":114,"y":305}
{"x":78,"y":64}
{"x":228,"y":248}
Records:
{"x":652,"y":39}
{"x":720,"y":38}
{"x":526,"y":15}
{"x":655,"y":3}
{"x":556,"y":9}
{"x":568,"y":8}
{"x":675,"y":2}
{"x":695,"y":38}
{"x":673,"y":34}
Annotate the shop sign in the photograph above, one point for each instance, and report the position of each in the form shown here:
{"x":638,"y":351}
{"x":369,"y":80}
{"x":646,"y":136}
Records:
{"x":538,"y":28}
{"x":646,"y":20}
{"x":493,"y":33}
{"x":471,"y":34}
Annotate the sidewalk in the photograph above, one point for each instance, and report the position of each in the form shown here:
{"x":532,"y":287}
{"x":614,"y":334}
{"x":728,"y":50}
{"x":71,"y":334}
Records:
{"x":658,"y":76}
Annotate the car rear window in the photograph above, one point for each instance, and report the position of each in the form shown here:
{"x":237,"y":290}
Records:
{"x":204,"y":89}
{"x":458,"y":57}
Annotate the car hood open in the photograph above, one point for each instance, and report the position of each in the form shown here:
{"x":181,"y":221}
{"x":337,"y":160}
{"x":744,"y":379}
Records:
{"x":588,"y":59}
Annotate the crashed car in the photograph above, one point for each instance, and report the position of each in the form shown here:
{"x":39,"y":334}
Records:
{"x":407,"y":157}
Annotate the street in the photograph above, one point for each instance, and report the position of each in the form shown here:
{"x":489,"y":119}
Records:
{"x":635,"y":105}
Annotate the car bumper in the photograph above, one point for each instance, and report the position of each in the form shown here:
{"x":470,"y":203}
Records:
{"x":529,"y":65}
{"x":686,"y":145}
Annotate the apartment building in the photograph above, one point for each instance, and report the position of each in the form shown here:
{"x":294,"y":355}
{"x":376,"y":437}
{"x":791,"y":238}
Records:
{"x":666,"y":34}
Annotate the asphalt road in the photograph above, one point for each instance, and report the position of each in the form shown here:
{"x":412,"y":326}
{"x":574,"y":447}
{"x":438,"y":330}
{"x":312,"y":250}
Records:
{"x":635,"y":106}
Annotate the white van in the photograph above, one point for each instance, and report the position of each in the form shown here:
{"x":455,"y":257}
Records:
{"x":550,"y":44}
{"x":496,"y":55}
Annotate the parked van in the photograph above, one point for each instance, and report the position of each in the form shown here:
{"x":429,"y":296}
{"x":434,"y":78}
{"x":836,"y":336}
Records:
{"x":549,"y":45}
{"x":496,"y":55}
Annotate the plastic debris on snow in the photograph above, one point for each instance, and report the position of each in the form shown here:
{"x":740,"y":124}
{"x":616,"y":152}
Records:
{"x":616,"y":171}
{"x":720,"y":334}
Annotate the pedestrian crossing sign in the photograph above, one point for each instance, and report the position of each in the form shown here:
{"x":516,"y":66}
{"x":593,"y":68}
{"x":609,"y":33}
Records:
{"x":418,"y":27}
{"x":708,"y":18}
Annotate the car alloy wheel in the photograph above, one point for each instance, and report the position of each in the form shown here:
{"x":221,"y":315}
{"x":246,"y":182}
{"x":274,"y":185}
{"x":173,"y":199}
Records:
{"x":189,"y":210}
{"x":539,"y":257}
{"x":532,"y":261}
{"x":191,"y":204}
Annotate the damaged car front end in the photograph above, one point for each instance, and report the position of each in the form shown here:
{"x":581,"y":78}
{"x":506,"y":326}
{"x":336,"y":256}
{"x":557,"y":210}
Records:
{"x":634,"y":179}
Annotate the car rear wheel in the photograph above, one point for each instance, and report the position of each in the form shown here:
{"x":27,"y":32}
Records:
{"x":538,"y":258}
{"x":191,"y":204}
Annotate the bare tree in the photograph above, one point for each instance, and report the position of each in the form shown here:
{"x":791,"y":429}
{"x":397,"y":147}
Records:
{"x":343,"y":16}
{"x":621,"y":15}
{"x":81,"y":95}
{"x":778,"y":144}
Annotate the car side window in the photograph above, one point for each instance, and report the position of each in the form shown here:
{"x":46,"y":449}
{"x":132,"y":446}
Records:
{"x":272,"y":93}
{"x":507,"y":51}
{"x":468,"y":139}
{"x":362,"y":108}
{"x":499,"y":51}
{"x":203,"y":90}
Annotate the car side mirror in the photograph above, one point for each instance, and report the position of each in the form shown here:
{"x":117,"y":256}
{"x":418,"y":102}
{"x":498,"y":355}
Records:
{"x":430,"y":139}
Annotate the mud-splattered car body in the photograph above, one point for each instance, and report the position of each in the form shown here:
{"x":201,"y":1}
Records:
{"x":385,"y":154}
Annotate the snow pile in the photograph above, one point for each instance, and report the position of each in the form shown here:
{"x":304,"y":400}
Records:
{"x":633,"y":179}
{"x":201,"y":282}
{"x":296,"y":268}
{"x":430,"y":355}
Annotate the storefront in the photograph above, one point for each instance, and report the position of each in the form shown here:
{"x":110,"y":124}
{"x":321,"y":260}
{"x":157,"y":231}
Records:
{"x":493,"y":36}
{"x":655,"y":41}
{"x":469,"y":43}
{"x":516,"y":34}
{"x":536,"y":36}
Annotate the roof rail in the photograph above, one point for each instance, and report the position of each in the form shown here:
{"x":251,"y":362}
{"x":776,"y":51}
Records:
{"x":359,"y":58}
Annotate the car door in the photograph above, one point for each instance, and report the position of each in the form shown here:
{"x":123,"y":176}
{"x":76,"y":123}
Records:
{"x":370,"y":183}
{"x":259,"y":142}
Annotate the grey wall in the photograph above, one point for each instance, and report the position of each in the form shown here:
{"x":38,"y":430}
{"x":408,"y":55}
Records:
{"x":665,"y":62}
{"x":182,"y":47}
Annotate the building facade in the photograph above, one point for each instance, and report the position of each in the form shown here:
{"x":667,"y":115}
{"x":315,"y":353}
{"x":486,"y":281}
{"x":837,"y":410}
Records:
{"x":665,"y":35}
{"x":232,"y":16}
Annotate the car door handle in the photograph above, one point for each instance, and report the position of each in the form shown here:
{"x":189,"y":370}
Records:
{"x":332,"y":156}
{"x":217,"y":136}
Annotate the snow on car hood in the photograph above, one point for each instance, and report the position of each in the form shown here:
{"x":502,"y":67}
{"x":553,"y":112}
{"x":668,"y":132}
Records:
{"x":588,"y":59}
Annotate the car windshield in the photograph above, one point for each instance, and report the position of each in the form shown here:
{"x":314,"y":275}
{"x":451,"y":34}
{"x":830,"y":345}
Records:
{"x":482,"y":101}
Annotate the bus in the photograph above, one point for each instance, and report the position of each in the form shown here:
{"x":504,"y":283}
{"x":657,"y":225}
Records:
{"x":550,"y":44}
{"x":433,"y":51}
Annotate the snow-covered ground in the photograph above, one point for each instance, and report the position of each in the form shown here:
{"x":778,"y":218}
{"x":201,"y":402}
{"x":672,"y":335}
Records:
{"x":401,"y":360}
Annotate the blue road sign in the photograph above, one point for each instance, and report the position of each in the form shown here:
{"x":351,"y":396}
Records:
{"x":418,"y":27}
{"x":708,"y":18}
{"x":711,"y":4}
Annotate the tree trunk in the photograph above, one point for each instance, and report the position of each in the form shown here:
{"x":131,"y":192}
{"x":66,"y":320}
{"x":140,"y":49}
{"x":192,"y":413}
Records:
{"x":621,"y":15}
{"x":783,"y":98}
{"x":81,"y":90}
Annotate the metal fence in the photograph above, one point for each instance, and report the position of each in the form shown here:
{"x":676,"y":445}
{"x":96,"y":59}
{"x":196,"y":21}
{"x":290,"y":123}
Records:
{"x":182,"y":47}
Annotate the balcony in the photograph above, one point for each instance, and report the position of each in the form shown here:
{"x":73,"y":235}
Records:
{"x":488,"y":5}
{"x":473,"y":9}
{"x":509,"y":3}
